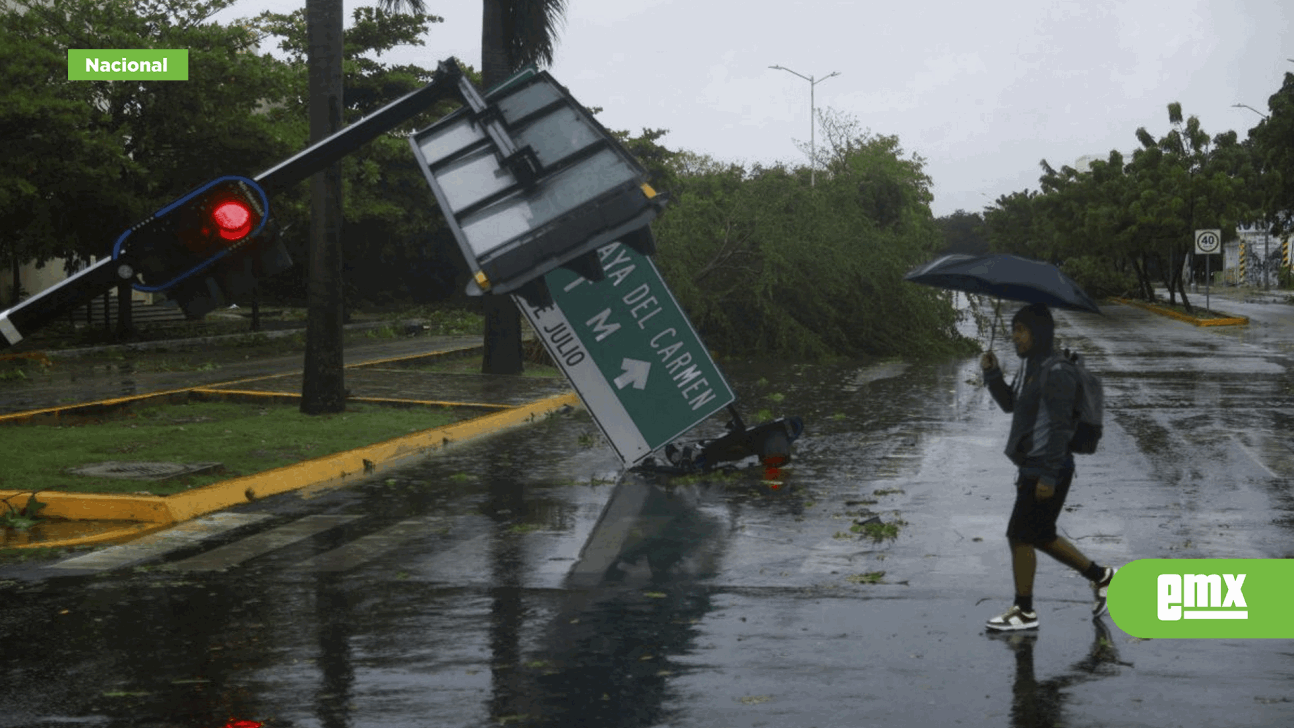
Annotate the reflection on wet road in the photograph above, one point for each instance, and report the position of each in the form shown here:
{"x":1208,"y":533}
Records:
{"x":522,"y":581}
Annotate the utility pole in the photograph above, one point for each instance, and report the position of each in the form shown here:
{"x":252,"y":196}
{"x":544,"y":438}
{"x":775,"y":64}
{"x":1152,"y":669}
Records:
{"x":813,"y":122}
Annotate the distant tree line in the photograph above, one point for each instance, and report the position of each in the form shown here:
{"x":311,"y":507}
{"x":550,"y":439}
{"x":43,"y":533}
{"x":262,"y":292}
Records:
{"x":1128,"y":222}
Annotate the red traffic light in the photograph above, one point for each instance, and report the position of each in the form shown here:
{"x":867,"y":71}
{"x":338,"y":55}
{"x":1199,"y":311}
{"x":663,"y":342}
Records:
{"x":193,"y":232}
{"x":220,"y":219}
{"x":232,"y":218}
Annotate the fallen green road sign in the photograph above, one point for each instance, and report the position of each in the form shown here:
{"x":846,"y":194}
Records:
{"x":630,"y":352}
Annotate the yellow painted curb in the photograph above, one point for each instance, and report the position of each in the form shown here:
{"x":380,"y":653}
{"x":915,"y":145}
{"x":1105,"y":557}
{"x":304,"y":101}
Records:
{"x":97,"y":506}
{"x":117,"y":534}
{"x":326,"y":471}
{"x":428,"y":403}
{"x":1229,"y":321}
{"x":89,"y":408}
{"x":465,"y":351}
{"x":343,"y":467}
{"x":252,"y":395}
{"x":86,"y":408}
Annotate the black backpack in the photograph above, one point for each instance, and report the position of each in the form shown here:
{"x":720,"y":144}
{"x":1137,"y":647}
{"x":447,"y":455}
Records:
{"x":1089,"y":405}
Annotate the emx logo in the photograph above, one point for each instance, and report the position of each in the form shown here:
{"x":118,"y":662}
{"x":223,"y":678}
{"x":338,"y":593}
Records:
{"x":1229,"y":598}
{"x":1202,"y":593}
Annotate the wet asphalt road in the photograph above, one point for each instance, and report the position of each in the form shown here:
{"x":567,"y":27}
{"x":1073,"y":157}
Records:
{"x":522,"y":581}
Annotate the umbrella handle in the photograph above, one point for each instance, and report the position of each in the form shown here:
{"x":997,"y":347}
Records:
{"x":997,"y":316}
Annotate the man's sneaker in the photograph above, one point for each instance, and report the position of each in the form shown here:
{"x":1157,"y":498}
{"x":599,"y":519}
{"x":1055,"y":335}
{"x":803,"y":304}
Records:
{"x":1014,"y":619}
{"x":1100,"y":588}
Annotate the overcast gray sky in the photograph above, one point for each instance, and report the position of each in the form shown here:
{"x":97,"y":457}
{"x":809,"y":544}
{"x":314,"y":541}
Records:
{"x":982,"y":91}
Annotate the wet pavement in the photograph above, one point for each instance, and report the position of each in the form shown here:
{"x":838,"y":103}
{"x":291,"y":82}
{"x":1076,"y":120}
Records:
{"x":524,"y":581}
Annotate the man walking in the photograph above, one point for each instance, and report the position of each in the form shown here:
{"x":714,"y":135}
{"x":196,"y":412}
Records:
{"x":1041,"y":403}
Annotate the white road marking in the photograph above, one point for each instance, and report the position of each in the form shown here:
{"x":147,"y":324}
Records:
{"x":367,"y":548}
{"x":160,"y":543}
{"x":262,"y":543}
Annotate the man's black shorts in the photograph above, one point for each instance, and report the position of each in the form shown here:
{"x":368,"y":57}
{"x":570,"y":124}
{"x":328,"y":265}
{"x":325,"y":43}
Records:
{"x":1032,"y":520}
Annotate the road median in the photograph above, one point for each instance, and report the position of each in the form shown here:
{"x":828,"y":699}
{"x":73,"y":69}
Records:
{"x":1213,"y":318}
{"x":333,"y":470}
{"x":396,"y":411}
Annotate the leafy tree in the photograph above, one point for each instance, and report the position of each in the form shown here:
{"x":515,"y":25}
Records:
{"x":1186,"y":180}
{"x":395,"y":243}
{"x":1131,"y":216}
{"x":1015,"y":223}
{"x":91,"y":157}
{"x":767,"y":265}
{"x":892,"y":190}
{"x":57,"y":149}
{"x":655,"y":158}
{"x":963,"y":232}
{"x":1272,"y":144}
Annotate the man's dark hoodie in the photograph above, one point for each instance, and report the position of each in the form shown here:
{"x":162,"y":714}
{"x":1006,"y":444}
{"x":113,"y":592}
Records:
{"x":1043,"y":421}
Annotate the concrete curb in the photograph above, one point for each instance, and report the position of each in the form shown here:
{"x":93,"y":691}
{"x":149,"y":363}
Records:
{"x":1230,"y":321}
{"x":156,"y":512}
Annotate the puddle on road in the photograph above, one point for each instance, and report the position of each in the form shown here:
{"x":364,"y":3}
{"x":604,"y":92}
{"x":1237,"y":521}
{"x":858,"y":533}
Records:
{"x":876,"y":372}
{"x":55,"y":530}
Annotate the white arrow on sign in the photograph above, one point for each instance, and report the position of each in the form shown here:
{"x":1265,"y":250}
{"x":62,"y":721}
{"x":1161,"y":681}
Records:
{"x":635,"y":374}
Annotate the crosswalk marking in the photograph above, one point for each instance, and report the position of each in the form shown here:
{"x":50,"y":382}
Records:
{"x":373,"y":545}
{"x":259,"y":544}
{"x":157,"y":544}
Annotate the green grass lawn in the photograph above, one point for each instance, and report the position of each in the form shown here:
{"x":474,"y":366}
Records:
{"x":246,"y":438}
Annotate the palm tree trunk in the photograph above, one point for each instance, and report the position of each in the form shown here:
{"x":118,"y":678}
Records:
{"x":502,"y":353}
{"x":494,"y":43}
{"x":323,"y":387}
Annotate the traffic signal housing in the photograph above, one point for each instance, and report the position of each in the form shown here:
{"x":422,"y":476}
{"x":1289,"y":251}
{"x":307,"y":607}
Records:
{"x":205,"y":248}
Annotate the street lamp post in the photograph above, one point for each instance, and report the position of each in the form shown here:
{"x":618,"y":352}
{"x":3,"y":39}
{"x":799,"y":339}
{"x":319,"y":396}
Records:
{"x":813,"y":150}
{"x":1247,"y":106}
{"x":1266,"y":237}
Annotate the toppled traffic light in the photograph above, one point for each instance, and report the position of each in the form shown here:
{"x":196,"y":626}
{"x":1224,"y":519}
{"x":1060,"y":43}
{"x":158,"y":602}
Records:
{"x":205,"y":248}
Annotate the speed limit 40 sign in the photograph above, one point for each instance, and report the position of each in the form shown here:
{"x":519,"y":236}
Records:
{"x":1208,"y":242}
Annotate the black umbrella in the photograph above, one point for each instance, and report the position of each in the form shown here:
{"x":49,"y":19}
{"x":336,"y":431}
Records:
{"x":1005,"y":276}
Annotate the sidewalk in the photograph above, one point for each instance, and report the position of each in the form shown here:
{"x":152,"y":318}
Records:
{"x":82,"y":519}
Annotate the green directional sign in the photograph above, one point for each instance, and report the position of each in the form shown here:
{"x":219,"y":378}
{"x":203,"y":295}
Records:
{"x":630,"y":352}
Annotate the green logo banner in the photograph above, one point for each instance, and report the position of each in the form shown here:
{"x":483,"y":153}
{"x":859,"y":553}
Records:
{"x":1194,"y":598}
{"x":147,"y":64}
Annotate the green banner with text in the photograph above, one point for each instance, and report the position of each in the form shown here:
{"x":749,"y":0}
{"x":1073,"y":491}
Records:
{"x":147,"y":64}
{"x":1193,"y":598}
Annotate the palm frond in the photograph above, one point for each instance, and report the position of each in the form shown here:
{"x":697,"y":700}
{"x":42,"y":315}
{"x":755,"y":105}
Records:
{"x":531,"y":27}
{"x":400,"y":6}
